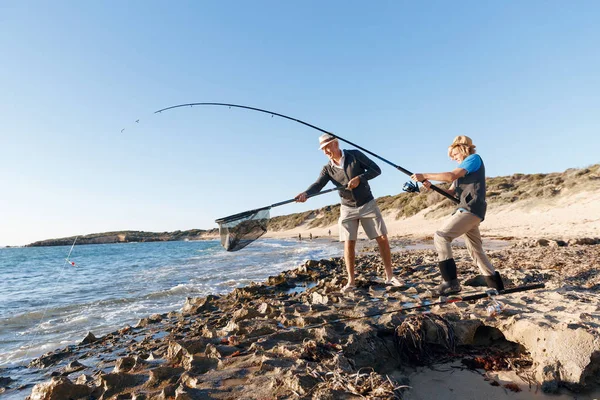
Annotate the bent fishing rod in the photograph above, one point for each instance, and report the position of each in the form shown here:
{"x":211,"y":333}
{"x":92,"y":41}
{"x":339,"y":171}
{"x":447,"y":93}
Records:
{"x":399,"y":168}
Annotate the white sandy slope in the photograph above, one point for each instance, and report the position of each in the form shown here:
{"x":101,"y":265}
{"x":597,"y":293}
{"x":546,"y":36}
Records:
{"x":570,"y":215}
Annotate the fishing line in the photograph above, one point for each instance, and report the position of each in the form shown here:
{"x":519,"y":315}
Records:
{"x":63,"y":269}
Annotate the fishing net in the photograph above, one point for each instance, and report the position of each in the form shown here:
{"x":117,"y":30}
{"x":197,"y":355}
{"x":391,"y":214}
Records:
{"x":238,"y":231}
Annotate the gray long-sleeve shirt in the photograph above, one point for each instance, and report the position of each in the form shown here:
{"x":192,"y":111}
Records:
{"x":355,"y":164}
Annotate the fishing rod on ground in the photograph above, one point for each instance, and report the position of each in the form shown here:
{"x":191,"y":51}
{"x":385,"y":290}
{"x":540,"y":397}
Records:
{"x":450,"y":300}
{"x":239,"y":230}
{"x":399,"y":168}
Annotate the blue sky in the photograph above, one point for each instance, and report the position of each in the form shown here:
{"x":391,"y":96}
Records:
{"x":399,"y":78}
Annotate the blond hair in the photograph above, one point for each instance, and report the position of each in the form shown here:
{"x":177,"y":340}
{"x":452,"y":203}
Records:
{"x":464,"y":144}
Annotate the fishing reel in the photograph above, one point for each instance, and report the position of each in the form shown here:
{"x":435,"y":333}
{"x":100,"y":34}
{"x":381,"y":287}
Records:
{"x":411,"y":187}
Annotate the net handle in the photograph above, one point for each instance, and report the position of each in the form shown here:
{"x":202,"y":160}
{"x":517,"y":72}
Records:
{"x":250,"y":212}
{"x":308,"y":197}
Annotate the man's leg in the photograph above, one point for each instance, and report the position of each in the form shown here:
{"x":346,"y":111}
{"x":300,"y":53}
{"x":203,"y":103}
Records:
{"x":349,"y":258}
{"x":386,"y":255}
{"x":348,"y":224}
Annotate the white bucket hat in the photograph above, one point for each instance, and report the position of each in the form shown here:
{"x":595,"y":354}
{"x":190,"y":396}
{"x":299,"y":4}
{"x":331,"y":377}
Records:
{"x":325,"y":139}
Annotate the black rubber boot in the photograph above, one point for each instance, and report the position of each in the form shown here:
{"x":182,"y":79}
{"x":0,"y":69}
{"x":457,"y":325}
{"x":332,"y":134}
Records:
{"x":450,"y":284}
{"x":495,"y":281}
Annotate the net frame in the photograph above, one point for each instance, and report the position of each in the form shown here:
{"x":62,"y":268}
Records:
{"x":239,"y":230}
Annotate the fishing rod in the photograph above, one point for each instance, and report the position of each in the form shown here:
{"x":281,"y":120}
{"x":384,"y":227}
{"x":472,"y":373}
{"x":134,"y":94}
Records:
{"x":407,"y":172}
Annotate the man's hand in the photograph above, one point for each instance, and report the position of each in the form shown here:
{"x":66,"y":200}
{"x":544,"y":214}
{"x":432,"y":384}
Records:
{"x":301,"y":198}
{"x":417,"y":177}
{"x":354,"y":182}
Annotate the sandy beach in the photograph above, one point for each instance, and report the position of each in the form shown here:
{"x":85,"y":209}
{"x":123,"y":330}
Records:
{"x":569,"y":216}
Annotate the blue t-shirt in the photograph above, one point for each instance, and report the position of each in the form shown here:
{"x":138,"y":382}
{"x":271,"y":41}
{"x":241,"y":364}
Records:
{"x":471,"y":164}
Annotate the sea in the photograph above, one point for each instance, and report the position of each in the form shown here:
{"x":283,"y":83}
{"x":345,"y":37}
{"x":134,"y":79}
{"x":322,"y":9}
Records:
{"x":46,"y":302}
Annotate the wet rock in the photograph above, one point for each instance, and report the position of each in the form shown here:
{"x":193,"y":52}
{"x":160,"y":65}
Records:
{"x":59,"y":388}
{"x":5,"y":381}
{"x":51,"y":358}
{"x":89,"y":338}
{"x":154,"y":318}
{"x":198,"y":305}
{"x":125,"y":330}
{"x":72,"y":367}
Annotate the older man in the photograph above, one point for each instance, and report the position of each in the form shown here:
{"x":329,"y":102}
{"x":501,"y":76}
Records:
{"x":352,"y":169}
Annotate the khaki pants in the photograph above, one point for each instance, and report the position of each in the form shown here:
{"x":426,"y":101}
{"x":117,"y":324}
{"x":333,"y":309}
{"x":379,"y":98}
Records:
{"x":463,"y":223}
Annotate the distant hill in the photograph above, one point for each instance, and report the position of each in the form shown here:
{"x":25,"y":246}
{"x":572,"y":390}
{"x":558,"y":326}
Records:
{"x":129,"y":236}
{"x":501,"y":190}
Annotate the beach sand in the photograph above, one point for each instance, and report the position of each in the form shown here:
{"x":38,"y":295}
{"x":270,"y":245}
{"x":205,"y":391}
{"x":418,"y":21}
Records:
{"x":569,"y":216}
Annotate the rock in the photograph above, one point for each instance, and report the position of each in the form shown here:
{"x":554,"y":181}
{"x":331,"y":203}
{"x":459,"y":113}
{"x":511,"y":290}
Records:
{"x":126,"y":329}
{"x":318,"y":298}
{"x":563,"y":354}
{"x":59,"y":388}
{"x":51,"y":358}
{"x":89,"y":339}
{"x":464,"y":330}
{"x":179,"y":349}
{"x":264,"y":308}
{"x":159,"y":375}
{"x":142,"y":323}
{"x":72,"y":367}
{"x":199,"y":364}
{"x":83,"y":379}
{"x":244,"y":313}
{"x":584,"y":241}
{"x":154,"y":318}
{"x":114,"y":383}
{"x":198,"y":305}
{"x":127,"y":364}
{"x":185,"y":393}
{"x":5,"y":381}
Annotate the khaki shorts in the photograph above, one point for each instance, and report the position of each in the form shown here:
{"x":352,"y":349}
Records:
{"x":369,"y":217}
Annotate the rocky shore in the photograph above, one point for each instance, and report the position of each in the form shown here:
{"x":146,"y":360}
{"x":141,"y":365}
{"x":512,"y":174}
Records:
{"x":296,"y":336}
